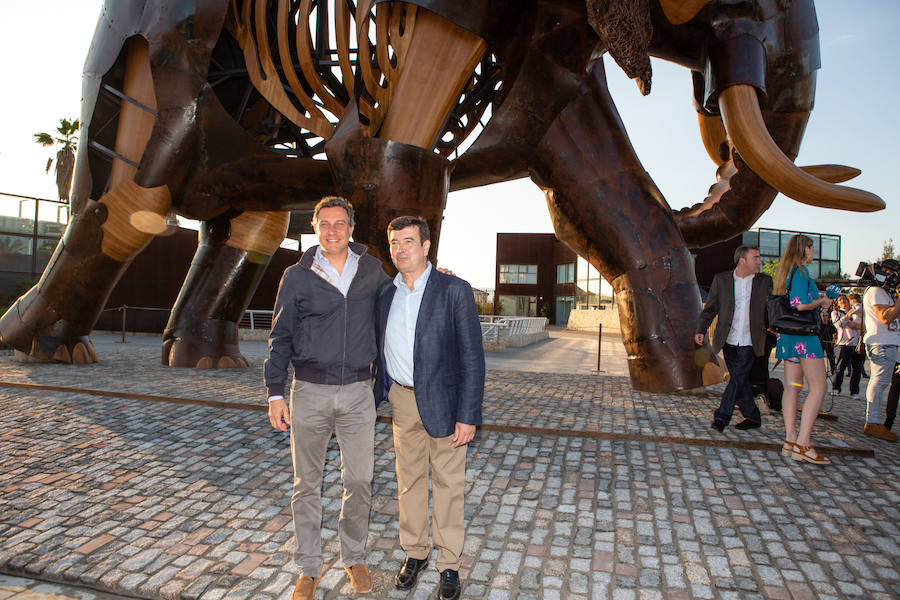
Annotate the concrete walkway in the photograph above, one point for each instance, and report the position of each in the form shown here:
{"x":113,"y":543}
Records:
{"x":150,"y":482}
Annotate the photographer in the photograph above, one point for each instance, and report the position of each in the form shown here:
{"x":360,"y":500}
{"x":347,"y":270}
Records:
{"x":882,"y":338}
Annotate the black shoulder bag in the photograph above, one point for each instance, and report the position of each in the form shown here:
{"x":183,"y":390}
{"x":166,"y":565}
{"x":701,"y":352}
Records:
{"x":784,"y":318}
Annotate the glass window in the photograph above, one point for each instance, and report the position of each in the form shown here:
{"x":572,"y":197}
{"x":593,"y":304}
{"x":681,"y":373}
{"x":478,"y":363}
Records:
{"x":831,"y":269}
{"x":15,"y":253}
{"x":565,"y":273}
{"x":518,"y":274}
{"x":750,"y":238}
{"x":517,"y":306}
{"x":769,"y":243}
{"x":830,"y":246}
{"x":785,"y":238}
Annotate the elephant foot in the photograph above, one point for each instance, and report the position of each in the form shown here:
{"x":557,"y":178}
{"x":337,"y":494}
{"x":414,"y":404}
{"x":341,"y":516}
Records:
{"x":658,"y":310}
{"x":203,"y":344}
{"x":39,"y":334}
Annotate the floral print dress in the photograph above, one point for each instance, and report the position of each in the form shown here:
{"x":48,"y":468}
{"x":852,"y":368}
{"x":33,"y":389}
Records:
{"x":793,"y":347}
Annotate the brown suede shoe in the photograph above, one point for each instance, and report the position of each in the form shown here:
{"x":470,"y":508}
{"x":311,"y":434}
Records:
{"x":305,"y":588}
{"x":880,"y":431}
{"x":360,"y":578}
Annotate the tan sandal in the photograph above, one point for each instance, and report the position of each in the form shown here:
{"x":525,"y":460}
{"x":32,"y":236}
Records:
{"x":790,"y":448}
{"x":802,"y":453}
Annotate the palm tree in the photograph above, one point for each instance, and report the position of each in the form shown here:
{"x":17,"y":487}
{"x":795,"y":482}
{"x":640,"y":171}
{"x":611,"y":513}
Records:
{"x":65,"y":157}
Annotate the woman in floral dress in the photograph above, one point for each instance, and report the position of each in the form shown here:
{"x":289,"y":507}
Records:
{"x":802,"y":354}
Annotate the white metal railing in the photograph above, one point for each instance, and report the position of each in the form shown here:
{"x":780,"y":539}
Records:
{"x":493,"y":327}
{"x":256,"y":319}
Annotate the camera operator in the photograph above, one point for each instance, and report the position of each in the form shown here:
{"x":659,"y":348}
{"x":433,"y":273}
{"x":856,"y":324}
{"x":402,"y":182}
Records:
{"x":882,"y":338}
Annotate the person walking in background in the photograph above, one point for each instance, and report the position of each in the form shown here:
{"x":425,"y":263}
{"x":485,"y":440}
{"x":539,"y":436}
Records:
{"x":431,"y":368}
{"x":738,"y":298}
{"x":827,"y":337}
{"x":802,"y":354}
{"x":324,"y":324}
{"x":847,"y":322}
{"x":857,"y":309}
{"x":882,"y":338}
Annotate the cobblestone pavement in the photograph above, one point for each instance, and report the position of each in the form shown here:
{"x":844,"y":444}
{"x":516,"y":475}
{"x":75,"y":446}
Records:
{"x":19,"y":588}
{"x":569,"y":493}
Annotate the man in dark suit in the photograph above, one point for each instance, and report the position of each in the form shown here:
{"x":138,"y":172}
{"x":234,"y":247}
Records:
{"x":431,"y":368}
{"x":738,"y":297}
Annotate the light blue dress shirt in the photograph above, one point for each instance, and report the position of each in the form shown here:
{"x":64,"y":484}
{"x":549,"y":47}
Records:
{"x":326,"y":270}
{"x":400,"y":335}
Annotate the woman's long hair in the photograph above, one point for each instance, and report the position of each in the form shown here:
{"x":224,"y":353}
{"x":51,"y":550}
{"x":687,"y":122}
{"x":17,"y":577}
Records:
{"x":794,"y":255}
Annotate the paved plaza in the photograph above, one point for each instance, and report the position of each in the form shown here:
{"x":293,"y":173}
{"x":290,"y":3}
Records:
{"x":130,"y":478}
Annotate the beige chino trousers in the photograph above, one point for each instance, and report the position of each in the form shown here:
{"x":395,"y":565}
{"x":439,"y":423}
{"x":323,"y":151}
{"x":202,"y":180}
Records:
{"x":415,"y":450}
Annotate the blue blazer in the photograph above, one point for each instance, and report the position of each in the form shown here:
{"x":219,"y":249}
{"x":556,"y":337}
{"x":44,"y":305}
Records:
{"x":448,"y":354}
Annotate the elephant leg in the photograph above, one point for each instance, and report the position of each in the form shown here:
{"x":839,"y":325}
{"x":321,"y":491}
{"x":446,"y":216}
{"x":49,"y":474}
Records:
{"x":605,"y":207}
{"x":231,"y":258}
{"x":53,"y":320}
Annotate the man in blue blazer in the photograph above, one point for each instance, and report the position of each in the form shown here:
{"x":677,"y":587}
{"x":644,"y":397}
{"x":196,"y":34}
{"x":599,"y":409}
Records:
{"x":431,"y":368}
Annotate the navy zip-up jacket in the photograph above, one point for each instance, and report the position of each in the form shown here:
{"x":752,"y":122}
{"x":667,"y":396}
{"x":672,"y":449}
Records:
{"x":329,"y":338}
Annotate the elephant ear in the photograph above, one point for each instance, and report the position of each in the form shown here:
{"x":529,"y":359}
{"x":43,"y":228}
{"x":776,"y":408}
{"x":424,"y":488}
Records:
{"x":625,"y":28}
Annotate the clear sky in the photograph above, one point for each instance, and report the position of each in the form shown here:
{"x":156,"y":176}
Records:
{"x":855,"y":122}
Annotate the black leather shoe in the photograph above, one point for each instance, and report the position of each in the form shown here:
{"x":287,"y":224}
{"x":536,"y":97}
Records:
{"x":747,"y":424}
{"x":718,"y":426}
{"x":449,"y":585}
{"x":409,"y":572}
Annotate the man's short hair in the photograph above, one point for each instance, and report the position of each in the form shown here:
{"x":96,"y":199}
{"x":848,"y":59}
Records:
{"x":741,"y":252}
{"x":404,"y":222}
{"x":328,"y":202}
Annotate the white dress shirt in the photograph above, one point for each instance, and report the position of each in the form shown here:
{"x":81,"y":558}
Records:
{"x":740,"y":321}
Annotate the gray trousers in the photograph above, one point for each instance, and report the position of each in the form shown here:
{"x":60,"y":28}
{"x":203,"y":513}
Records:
{"x":316,"y":411}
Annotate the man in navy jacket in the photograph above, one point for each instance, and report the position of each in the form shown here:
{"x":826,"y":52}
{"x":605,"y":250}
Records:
{"x":431,"y":368}
{"x":324,"y":327}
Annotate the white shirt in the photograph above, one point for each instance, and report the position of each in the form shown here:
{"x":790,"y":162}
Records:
{"x":739,"y":335}
{"x":400,"y":334}
{"x":876,"y":331}
{"x":845,"y":335}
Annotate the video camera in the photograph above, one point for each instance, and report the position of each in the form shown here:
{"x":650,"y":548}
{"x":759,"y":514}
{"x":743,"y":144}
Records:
{"x":884,"y":274}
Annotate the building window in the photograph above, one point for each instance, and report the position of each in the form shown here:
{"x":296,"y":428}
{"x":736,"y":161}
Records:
{"x":769,"y":246}
{"x":518,"y":274}
{"x":830,"y":248}
{"x":565,"y":273}
{"x":517,"y":306}
{"x":831,"y":269}
{"x":750,"y":238}
{"x":591,"y":290}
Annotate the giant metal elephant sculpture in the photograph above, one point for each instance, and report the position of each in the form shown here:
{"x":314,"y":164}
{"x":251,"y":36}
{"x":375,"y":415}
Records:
{"x":237,"y":112}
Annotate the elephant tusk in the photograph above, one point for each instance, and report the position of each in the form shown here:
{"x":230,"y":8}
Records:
{"x":747,"y":131}
{"x":712,"y":132}
{"x":832,"y":173}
